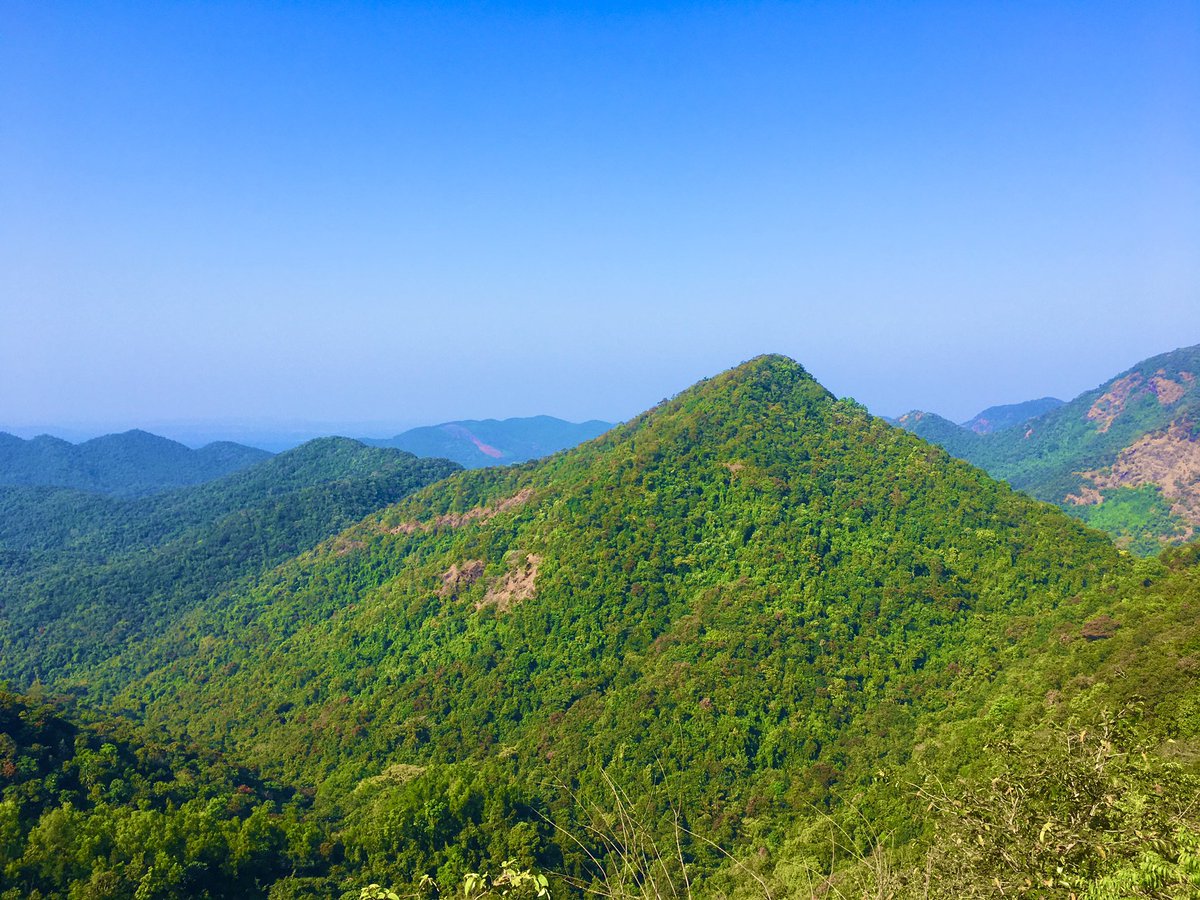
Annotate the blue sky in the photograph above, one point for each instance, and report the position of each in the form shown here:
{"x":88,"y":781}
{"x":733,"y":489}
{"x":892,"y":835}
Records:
{"x":335,"y":215}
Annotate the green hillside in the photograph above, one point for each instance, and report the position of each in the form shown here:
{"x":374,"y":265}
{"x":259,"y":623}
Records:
{"x":1124,"y":457}
{"x":131,"y":464}
{"x":1068,"y":769}
{"x":757,"y":591}
{"x":81,"y":574}
{"x":753,"y":643}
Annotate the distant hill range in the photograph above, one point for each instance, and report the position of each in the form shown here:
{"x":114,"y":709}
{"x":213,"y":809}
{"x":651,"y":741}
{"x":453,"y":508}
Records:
{"x":1124,"y":457}
{"x":132,"y":464}
{"x":137,"y":464}
{"x":997,"y":418}
{"x":475,"y":444}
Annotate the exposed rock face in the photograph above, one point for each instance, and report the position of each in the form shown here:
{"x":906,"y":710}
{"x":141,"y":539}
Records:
{"x":457,"y":520}
{"x":1169,"y":459}
{"x":1112,"y":403}
{"x":458,"y":578}
{"x":516,"y":585}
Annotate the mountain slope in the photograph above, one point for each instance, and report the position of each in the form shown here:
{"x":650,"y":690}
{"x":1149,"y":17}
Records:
{"x":998,"y":418}
{"x":83,"y":574}
{"x":131,"y":464}
{"x":755,"y":586}
{"x":476,"y":444}
{"x":1124,"y":457}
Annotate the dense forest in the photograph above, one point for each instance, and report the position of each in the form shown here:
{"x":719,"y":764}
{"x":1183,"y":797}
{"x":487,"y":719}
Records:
{"x":753,"y":643}
{"x":84,"y":574}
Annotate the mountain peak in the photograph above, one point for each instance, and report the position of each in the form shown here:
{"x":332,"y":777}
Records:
{"x":762,"y":376}
{"x":769,"y":363}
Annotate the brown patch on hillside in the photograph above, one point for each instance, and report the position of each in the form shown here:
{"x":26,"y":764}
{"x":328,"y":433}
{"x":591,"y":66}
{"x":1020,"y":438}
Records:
{"x":485,"y":449}
{"x":483,"y":513}
{"x":1100,"y":628}
{"x":1163,"y":389}
{"x":1110,"y":405}
{"x":457,"y":520}
{"x":515,"y":586}
{"x":1169,"y":459}
{"x":1166,"y":390}
{"x":1087,"y":496}
{"x":735,"y":467}
{"x":459,"y":578}
{"x":344,"y":545}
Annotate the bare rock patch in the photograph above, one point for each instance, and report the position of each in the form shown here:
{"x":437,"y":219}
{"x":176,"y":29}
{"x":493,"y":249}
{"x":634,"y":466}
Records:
{"x":457,"y":520}
{"x":514,"y":586}
{"x":458,"y":578}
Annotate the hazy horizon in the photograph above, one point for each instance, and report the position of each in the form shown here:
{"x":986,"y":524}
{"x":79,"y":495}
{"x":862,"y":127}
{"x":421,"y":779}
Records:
{"x":277,"y":435}
{"x":401,"y":215}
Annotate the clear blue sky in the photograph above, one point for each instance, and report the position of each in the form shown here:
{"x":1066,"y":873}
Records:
{"x":398,"y":213}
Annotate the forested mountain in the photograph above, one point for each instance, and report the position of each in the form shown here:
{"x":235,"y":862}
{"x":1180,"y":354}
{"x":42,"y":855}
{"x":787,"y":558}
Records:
{"x":997,"y":418}
{"x":131,"y":464}
{"x":1065,"y":768}
{"x":753,"y":643}
{"x":82,"y":574}
{"x":1124,"y":457}
{"x":475,"y":444}
{"x":756,"y":596}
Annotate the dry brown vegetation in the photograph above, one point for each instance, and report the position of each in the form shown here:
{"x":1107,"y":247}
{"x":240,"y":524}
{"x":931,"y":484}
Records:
{"x":514,"y":586}
{"x":1169,"y":459}
{"x":457,"y":520}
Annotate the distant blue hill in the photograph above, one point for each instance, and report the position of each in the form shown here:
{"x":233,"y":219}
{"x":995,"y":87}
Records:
{"x":998,"y":418}
{"x":134,"y":463}
{"x":491,"y":442}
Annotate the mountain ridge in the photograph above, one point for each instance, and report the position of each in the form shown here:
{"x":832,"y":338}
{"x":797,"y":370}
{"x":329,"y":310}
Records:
{"x":129,"y":464}
{"x":1009,"y":415}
